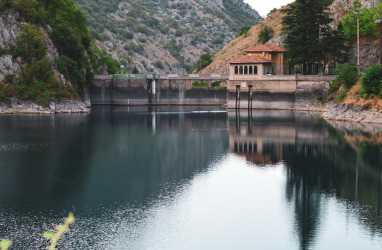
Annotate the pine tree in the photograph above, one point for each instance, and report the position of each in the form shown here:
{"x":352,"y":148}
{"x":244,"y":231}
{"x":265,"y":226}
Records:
{"x":336,"y":48}
{"x":306,"y":27}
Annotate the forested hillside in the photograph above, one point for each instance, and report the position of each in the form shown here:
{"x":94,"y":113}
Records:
{"x":165,"y":35}
{"x":46,"y":51}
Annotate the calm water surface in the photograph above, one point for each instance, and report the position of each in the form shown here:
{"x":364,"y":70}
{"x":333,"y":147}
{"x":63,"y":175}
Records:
{"x":190,"y":178}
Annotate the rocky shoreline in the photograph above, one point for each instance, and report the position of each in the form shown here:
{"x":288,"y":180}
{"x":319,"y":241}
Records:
{"x":66,"y":106}
{"x":352,"y":113}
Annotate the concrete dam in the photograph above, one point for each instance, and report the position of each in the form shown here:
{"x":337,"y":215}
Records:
{"x":157,"y":90}
{"x":267,"y":92}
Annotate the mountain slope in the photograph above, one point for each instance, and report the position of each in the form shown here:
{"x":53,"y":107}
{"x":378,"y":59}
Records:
{"x":339,"y":9}
{"x":45,"y":51}
{"x":165,"y":35}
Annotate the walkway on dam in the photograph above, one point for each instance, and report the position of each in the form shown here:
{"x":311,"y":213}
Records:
{"x":196,"y":77}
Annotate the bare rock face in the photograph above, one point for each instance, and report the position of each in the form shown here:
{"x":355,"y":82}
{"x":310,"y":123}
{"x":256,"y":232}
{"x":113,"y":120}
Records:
{"x":8,"y":33}
{"x":8,"y":30}
{"x":21,"y":107}
{"x":8,"y":66}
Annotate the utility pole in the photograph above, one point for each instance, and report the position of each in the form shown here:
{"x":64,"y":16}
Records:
{"x":200,"y":64}
{"x":358,"y":63}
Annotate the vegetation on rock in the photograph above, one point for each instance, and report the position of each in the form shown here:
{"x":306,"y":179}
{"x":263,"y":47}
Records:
{"x":347,"y":77}
{"x":65,"y":25}
{"x":178,"y":31}
{"x":203,"y":62}
{"x":266,"y":34}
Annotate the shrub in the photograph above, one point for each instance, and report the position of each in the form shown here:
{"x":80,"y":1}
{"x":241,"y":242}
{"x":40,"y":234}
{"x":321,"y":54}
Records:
{"x":94,"y":35}
{"x":2,"y":51}
{"x":348,"y":75}
{"x":67,"y":43}
{"x":29,"y":43}
{"x":9,"y":78}
{"x":69,"y":68}
{"x":342,"y":96}
{"x":158,"y":64}
{"x":266,"y":33}
{"x":372,"y":80}
{"x":204,"y":61}
{"x":200,"y":84}
{"x":244,"y":30}
{"x":216,"y":84}
{"x":32,"y":10}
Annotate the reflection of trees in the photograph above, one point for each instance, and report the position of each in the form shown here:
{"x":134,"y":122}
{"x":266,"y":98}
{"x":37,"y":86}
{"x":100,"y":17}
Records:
{"x":314,"y":170}
{"x":302,"y":190}
{"x":318,"y":160}
{"x":108,"y":156}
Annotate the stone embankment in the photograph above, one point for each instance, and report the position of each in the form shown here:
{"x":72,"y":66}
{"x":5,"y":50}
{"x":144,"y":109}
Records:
{"x":22,"y":107}
{"x":352,"y":113}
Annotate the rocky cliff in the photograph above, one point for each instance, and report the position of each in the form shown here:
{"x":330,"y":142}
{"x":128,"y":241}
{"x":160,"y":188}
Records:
{"x":339,"y":9}
{"x":9,"y":31}
{"x":46,"y":61}
{"x":164,"y":35}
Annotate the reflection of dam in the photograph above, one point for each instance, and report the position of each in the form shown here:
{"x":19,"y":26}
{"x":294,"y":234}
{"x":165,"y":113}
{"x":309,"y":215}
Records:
{"x":261,"y":135}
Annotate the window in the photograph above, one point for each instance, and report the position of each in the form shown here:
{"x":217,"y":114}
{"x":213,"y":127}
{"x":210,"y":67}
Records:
{"x":250,"y":70}
{"x":241,"y":70}
{"x":245,"y":70}
{"x":263,"y":54}
{"x":236,"y":70}
{"x":255,"y":70}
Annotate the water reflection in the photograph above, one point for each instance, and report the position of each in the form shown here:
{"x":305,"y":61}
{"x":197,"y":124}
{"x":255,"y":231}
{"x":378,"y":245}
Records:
{"x":320,"y":162}
{"x":90,"y":164}
{"x":171,"y":178}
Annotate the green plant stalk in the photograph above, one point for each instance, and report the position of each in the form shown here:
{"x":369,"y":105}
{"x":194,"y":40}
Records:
{"x":61,"y":229}
{"x":5,"y":244}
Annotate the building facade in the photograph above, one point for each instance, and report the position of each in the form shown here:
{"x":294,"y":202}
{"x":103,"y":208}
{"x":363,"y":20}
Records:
{"x":265,"y":59}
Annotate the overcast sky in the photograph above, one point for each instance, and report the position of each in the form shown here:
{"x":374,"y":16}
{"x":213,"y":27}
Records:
{"x":264,"y":6}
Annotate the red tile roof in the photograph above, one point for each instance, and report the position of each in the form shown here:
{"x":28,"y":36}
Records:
{"x":266,"y":48}
{"x":249,"y":59}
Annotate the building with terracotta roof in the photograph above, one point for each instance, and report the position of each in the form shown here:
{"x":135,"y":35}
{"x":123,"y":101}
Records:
{"x":264,"y":59}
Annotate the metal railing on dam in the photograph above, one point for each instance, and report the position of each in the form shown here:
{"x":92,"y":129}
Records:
{"x":195,"y":77}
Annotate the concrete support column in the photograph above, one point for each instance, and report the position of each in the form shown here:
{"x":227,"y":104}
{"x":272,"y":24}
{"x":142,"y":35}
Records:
{"x":282,"y":64}
{"x":153,"y":88}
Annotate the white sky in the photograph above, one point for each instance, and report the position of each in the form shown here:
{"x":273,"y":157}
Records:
{"x":264,"y":6}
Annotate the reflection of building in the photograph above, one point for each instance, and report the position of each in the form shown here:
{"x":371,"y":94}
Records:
{"x":262,"y":136}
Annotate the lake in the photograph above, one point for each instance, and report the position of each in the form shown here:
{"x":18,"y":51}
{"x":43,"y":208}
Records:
{"x":190,"y":178}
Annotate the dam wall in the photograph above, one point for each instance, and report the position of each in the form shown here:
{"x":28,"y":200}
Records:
{"x":265,"y":92}
{"x":278,"y":92}
{"x":106,"y":90}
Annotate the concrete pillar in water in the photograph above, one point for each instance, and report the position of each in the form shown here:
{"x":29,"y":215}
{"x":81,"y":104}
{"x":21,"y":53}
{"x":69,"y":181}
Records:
{"x":153,"y":88}
{"x":250,"y":92}
{"x":237,"y":105}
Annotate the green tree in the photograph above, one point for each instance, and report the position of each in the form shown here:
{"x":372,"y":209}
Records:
{"x":29,"y":43}
{"x":367,"y":25}
{"x":266,"y":34}
{"x":305,"y":26}
{"x":244,"y":30}
{"x":204,"y":61}
{"x":336,"y":47}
